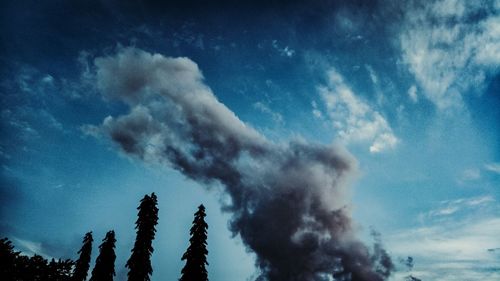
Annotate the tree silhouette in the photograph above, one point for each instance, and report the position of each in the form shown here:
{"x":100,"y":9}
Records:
{"x":139,"y":262}
{"x":22,"y":268}
{"x":83,"y":263}
{"x":8,"y":260}
{"x":17,"y":267}
{"x":104,"y":268}
{"x":37,"y":268}
{"x":59,"y":270}
{"x":196,"y":253}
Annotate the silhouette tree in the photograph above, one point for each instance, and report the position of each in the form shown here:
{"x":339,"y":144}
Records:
{"x":37,"y":268}
{"x":17,"y":267}
{"x":196,"y":253}
{"x":8,"y":260}
{"x":23,"y":271}
{"x":59,"y":270}
{"x":104,"y":268}
{"x":139,"y":262}
{"x":83,"y":263}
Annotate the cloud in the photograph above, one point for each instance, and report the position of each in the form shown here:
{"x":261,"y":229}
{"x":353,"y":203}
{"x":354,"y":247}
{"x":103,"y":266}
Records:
{"x":315,"y":111}
{"x":454,"y":242}
{"x":373,"y":75}
{"x":412,"y":93}
{"x":493,"y":167}
{"x":289,"y":202}
{"x":276,"y":117}
{"x":470,"y":175}
{"x":353,"y":119}
{"x":450,"y":46}
{"x":27,"y":110}
{"x":450,"y":207}
{"x":451,"y":251}
{"x":30,"y":248}
{"x":283,"y":51}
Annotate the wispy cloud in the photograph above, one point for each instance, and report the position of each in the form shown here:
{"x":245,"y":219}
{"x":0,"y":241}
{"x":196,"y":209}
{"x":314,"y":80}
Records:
{"x":469,"y":175}
{"x":315,"y":110}
{"x":275,"y":116}
{"x":458,"y":248}
{"x":450,"y":207}
{"x":30,"y":248}
{"x":446,"y":51}
{"x":493,"y":167}
{"x":353,"y":119}
{"x":283,"y":51}
{"x":412,"y":93}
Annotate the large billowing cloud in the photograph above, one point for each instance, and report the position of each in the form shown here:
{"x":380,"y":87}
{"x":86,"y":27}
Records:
{"x":451,"y":46}
{"x":289,"y":203}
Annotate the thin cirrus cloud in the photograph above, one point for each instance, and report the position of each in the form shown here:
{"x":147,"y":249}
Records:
{"x":263,"y":108}
{"x":493,"y":167}
{"x":446,"y":51}
{"x":450,"y":207}
{"x":352,"y":118}
{"x":456,"y":241}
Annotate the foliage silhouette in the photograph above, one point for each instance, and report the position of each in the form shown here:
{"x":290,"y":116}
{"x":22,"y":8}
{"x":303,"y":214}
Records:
{"x":17,"y":267}
{"x":83,"y":263}
{"x":8,"y":260}
{"x":196,"y":253}
{"x":60,"y":270}
{"x":140,"y":260}
{"x":104,"y":268}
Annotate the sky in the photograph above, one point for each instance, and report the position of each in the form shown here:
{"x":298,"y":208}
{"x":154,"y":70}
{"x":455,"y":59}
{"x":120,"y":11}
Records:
{"x":358,"y":125}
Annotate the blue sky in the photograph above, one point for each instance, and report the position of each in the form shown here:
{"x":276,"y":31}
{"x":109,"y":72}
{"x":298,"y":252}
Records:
{"x":408,"y":93}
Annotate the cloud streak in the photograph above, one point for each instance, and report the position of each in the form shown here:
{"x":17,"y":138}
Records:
{"x":289,"y":202}
{"x":452,"y":250}
{"x":493,"y":167}
{"x":457,"y":241}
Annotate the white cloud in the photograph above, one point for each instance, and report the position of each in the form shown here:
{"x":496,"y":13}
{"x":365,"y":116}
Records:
{"x":479,"y":201}
{"x":373,"y":75}
{"x":470,"y":175}
{"x":316,"y":112}
{"x":278,"y":118}
{"x":283,"y":51}
{"x":412,"y":93}
{"x":450,"y":207}
{"x":446,"y":51}
{"x":353,"y":119}
{"x":451,"y":250}
{"x":30,"y":248}
{"x":493,"y":167}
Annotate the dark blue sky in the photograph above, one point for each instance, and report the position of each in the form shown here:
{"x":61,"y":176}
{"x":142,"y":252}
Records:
{"x":408,"y":91}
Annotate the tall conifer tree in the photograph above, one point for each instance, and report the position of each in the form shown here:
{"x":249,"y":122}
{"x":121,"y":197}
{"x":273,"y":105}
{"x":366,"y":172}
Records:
{"x":196,"y":253}
{"x":104,"y":268}
{"x":83,"y":263}
{"x":140,"y":260}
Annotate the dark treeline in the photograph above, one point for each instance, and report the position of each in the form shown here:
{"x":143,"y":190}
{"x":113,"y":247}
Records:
{"x":14,"y":266}
{"x":17,"y":267}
